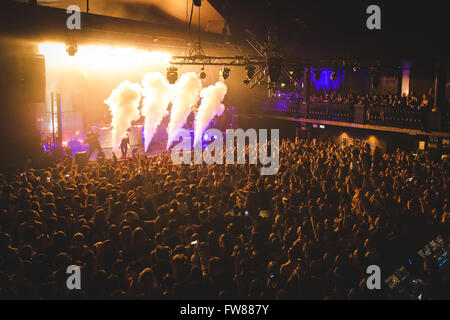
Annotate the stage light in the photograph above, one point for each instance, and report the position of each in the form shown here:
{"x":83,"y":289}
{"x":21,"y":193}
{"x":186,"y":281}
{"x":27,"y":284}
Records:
{"x":317,"y":74}
{"x":225,"y":72}
{"x":355,"y":68}
{"x":202,"y":74}
{"x":71,"y":49}
{"x":333,"y":76}
{"x":172,"y":74}
{"x":250,"y":71}
{"x":274,"y":69}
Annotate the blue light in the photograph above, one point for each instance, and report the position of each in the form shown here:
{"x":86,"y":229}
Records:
{"x":325,"y":82}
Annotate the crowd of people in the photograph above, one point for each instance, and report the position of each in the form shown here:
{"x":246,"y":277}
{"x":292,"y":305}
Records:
{"x":145,"y":228}
{"x":410,"y":101}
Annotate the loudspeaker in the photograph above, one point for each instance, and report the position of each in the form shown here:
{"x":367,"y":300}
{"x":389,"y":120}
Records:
{"x":81,"y":158}
{"x":34,"y":78}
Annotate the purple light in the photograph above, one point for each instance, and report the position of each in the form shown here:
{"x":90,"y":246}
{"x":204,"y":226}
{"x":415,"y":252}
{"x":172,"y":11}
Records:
{"x":325,"y":82}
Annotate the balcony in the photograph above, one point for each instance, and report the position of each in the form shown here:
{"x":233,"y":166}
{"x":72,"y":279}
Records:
{"x":382,"y":116}
{"x":395,"y":117}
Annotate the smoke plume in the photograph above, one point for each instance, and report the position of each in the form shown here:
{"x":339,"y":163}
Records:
{"x":157,"y":94}
{"x":123,"y":103}
{"x":210,"y":107}
{"x":187,"y":90}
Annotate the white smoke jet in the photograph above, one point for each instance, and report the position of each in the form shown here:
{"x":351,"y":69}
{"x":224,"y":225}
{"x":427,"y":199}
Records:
{"x":157,"y":94}
{"x":210,"y":107}
{"x":123,"y":103}
{"x":187,"y":90}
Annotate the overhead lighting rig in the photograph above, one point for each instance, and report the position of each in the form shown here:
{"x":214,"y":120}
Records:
{"x":172,"y":74}
{"x":269,"y":64}
{"x":225,"y":72}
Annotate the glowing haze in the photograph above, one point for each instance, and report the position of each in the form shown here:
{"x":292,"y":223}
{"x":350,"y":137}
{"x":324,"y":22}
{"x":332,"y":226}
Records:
{"x":210,"y":107}
{"x":123,"y":104}
{"x":67,"y":74}
{"x":86,"y":79}
{"x":187,"y":90}
{"x":157,"y":94}
{"x":102,"y":57}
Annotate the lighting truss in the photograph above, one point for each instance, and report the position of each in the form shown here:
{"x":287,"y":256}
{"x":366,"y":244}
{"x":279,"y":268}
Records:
{"x":267,"y":53}
{"x":216,"y":61}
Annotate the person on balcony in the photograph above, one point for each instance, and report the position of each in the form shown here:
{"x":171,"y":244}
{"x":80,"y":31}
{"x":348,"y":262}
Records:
{"x":425,"y":102}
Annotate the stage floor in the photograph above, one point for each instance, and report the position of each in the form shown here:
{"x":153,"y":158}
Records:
{"x":108,"y":152}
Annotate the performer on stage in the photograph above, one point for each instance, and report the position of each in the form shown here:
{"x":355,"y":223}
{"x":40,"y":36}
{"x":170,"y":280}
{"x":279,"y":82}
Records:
{"x":124,"y":145}
{"x":94,"y":143}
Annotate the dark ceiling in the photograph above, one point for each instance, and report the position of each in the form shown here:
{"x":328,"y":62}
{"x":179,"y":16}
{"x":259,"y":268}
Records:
{"x":328,"y":29}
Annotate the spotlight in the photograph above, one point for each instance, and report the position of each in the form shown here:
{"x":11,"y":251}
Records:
{"x":274,"y":68}
{"x":202,"y":75}
{"x":225,"y":72}
{"x":250,"y":71}
{"x":71,"y":49}
{"x":333,"y":76}
{"x":172,"y":74}
{"x":317,"y":75}
{"x":355,"y":68}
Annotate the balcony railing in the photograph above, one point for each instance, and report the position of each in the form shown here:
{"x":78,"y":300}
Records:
{"x":395,"y":117}
{"x":398,"y":117}
{"x":332,"y":112}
